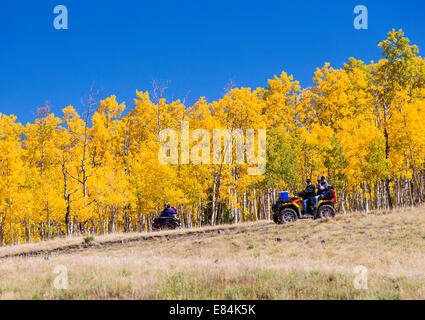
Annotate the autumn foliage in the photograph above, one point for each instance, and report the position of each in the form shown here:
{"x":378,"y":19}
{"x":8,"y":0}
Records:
{"x":361,"y":126}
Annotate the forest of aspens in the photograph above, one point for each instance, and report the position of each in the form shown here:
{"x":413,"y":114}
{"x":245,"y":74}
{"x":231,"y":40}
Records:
{"x":98,"y":172}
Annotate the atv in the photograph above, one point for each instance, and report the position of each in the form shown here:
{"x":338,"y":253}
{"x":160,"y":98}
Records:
{"x":165,"y":223}
{"x":291,"y":209}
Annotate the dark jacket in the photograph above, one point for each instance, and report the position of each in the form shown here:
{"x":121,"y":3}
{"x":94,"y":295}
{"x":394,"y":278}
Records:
{"x":168,"y":213}
{"x":309,"y":192}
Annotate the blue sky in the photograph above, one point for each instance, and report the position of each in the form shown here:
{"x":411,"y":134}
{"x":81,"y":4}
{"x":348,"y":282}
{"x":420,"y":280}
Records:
{"x":198,"y":46}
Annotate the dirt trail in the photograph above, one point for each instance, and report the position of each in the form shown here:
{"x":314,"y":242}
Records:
{"x":184,"y":233}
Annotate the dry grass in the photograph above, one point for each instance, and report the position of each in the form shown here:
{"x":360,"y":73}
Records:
{"x":305,"y":260}
{"x":74,"y":241}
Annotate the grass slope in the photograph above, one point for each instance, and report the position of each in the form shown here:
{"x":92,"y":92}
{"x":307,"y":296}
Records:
{"x":305,"y":260}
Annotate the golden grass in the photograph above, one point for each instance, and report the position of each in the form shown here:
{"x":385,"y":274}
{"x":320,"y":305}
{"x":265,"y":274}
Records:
{"x":305,"y":260}
{"x":72,"y":241}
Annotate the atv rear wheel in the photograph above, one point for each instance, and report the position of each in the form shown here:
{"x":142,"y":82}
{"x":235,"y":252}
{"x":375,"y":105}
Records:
{"x":286,"y":215}
{"x":326,"y":211}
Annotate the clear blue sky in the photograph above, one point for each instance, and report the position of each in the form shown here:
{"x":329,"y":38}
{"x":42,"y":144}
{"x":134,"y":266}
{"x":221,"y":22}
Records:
{"x":197,"y":45}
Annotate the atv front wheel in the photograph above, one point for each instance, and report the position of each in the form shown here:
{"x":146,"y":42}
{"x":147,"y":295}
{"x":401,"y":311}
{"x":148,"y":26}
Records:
{"x":285,"y":216}
{"x":326,"y":211}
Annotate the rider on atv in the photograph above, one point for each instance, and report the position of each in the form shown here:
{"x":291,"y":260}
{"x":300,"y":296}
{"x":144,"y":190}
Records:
{"x":169,"y":212}
{"x":167,"y":219}
{"x":307,"y":195}
{"x":305,"y":205}
{"x":322,"y":188}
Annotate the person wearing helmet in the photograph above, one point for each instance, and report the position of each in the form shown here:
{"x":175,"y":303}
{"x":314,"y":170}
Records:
{"x":168,"y":212}
{"x":322,"y":188}
{"x":323,"y":185}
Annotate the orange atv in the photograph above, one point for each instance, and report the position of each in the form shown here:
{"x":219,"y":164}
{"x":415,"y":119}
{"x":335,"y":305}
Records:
{"x":292,"y":208}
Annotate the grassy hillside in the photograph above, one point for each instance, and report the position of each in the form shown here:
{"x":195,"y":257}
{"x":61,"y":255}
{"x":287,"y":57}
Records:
{"x":305,"y":260}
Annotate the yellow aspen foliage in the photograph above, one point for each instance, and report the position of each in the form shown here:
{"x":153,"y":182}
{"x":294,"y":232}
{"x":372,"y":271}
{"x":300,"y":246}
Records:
{"x":99,"y":171}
